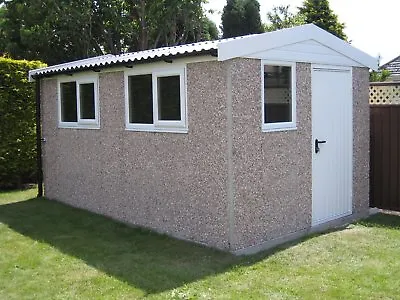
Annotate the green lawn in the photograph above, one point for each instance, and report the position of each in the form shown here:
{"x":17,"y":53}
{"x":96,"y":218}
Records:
{"x":52,"y":251}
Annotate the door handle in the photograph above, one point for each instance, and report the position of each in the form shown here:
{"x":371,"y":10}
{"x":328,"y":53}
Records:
{"x":316,"y":145}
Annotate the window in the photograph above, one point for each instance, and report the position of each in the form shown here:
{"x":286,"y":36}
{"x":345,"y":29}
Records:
{"x":155,"y":101}
{"x":140,"y":99}
{"x":87,"y":102}
{"x":68,"y":102}
{"x":78,"y":103}
{"x":279,"y":96}
{"x":169,"y":98}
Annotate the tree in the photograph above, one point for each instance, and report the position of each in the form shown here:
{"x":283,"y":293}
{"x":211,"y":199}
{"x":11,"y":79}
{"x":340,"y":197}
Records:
{"x":209,"y":30}
{"x":319,"y":13}
{"x":252,"y":18}
{"x":17,"y":123}
{"x":52,"y":30}
{"x":2,"y":34}
{"x":232,"y":19}
{"x":280,"y":17}
{"x":56,"y":31}
{"x":379,"y":76}
{"x":176,"y":22}
{"x":241,"y":17}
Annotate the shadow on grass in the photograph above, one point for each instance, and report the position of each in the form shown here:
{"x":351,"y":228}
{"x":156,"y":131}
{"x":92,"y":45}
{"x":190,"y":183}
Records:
{"x":144,"y":259}
{"x":382,"y":220}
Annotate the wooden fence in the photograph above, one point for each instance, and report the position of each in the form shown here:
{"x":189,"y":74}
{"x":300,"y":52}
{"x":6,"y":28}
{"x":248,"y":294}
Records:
{"x":385,"y":145}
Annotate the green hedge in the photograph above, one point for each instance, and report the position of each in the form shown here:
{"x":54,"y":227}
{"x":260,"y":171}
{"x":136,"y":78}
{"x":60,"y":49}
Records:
{"x":17,"y":122}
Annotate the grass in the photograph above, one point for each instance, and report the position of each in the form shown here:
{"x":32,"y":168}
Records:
{"x":52,"y":251}
{"x":7,"y":197}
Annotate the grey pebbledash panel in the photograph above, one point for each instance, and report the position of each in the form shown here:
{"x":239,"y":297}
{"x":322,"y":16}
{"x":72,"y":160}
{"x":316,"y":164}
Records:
{"x":51,"y":164}
{"x":272,"y":173}
{"x":272,"y":169}
{"x":361,"y":124}
{"x":173,"y":183}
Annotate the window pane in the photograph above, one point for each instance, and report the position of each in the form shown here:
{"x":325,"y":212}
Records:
{"x":140,"y":99}
{"x":169,"y":98}
{"x":68,"y":102}
{"x":86,"y":91}
{"x":277,"y":94}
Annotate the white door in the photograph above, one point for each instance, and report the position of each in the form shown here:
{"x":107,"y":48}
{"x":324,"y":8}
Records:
{"x":332,"y":133}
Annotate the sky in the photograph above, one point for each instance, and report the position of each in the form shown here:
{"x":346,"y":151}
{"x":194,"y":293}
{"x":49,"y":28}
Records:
{"x":371,"y":25}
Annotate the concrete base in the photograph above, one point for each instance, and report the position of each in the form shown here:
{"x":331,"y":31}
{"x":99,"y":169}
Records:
{"x":341,"y":222}
{"x":374,"y":211}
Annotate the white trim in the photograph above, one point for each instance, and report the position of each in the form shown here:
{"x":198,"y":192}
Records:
{"x":80,"y":123}
{"x":352,"y":138}
{"x":334,"y":68}
{"x":158,"y":125}
{"x":135,"y":126}
{"x":281,"y":126}
{"x":306,"y":57}
{"x":168,"y":124}
{"x":151,"y":128}
{"x":271,"y":40}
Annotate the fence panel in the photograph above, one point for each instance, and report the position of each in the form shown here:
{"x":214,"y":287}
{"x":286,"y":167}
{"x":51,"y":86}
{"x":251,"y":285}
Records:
{"x":385,"y":146}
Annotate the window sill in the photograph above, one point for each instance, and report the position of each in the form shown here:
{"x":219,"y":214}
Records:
{"x":157,"y":129}
{"x":78,"y":126}
{"x":277,"y":128}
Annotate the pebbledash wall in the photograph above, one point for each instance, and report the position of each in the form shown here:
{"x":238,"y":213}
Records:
{"x":225,"y":183}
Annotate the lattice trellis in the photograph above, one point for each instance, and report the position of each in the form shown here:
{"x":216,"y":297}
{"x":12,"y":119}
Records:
{"x":384,"y":94}
{"x":278,"y":95}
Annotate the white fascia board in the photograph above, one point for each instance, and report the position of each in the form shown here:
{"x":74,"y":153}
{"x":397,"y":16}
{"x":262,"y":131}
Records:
{"x":266,"y":41}
{"x":344,"y":48}
{"x":31,"y":75}
{"x":31,"y":79}
{"x":256,"y":43}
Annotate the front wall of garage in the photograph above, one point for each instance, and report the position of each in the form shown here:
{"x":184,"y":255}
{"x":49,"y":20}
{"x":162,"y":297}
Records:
{"x":173,"y":183}
{"x":272,"y":169}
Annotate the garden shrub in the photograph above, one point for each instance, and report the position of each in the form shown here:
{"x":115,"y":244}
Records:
{"x":17,"y":122}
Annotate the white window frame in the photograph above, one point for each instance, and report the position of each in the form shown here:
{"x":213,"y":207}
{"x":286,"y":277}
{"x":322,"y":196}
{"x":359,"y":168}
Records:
{"x":158,"y":125}
{"x":279,"y":126}
{"x":80,"y":123}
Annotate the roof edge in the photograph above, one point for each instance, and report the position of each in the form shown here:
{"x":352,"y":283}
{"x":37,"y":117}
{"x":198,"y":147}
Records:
{"x":101,"y":62}
{"x":275,"y":39}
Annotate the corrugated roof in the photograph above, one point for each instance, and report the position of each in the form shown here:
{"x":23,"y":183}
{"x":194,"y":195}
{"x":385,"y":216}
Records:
{"x":109,"y":59}
{"x":224,"y":49}
{"x":393,"y":66}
